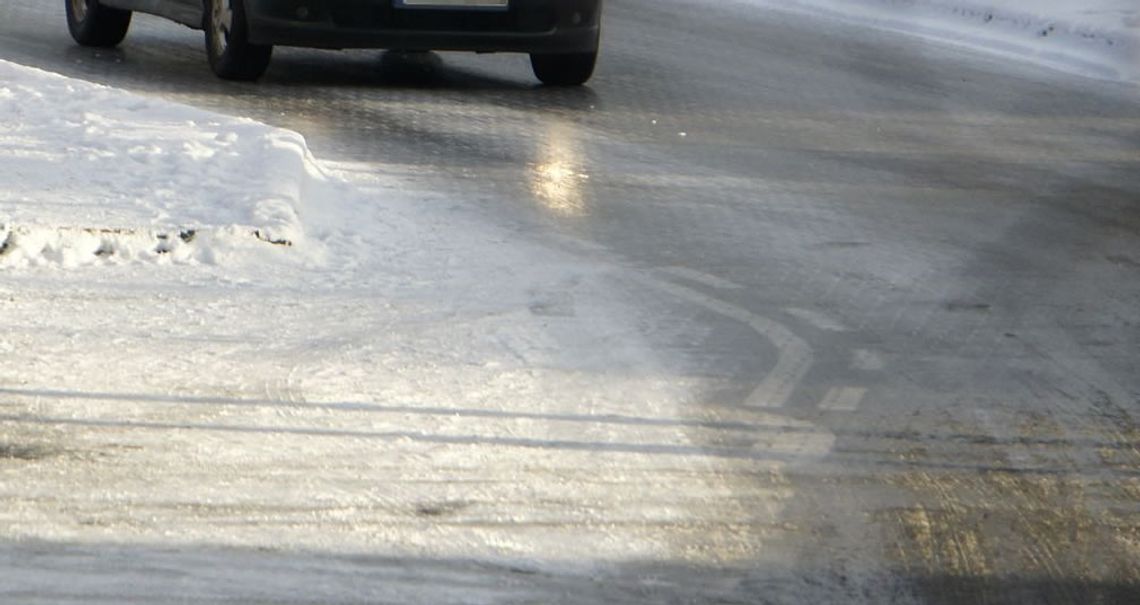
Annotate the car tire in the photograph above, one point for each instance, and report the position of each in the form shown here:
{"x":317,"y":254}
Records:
{"x":231,"y":55}
{"x":92,"y":24}
{"x":570,"y":69}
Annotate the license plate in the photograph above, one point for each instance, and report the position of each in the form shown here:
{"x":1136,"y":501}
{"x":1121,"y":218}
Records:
{"x":454,"y":4}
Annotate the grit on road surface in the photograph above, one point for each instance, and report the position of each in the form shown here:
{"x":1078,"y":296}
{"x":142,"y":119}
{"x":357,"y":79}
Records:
{"x":922,"y":262}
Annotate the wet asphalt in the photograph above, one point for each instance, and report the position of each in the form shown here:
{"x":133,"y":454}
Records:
{"x":956,"y":238}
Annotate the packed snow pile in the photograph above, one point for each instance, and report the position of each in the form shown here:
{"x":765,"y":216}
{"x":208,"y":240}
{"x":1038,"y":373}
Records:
{"x":95,"y":175}
{"x":1098,"y":38}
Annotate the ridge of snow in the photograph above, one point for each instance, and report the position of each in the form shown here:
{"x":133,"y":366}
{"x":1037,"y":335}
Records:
{"x":96,"y":175}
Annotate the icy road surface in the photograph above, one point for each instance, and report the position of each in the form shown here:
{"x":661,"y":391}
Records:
{"x":777,"y":310}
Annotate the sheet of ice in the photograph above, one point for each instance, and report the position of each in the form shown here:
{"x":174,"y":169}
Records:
{"x":1096,"y":38}
{"x":405,"y":388}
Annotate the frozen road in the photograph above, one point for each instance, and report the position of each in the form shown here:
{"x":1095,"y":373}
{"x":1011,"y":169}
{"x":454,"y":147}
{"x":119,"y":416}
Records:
{"x":908,"y":273}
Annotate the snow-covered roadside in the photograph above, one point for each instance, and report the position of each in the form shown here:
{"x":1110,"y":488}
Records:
{"x":1096,"y":38}
{"x":95,"y":175}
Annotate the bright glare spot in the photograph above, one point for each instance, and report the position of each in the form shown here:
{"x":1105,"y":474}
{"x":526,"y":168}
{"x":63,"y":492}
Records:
{"x":555,"y":179}
{"x":558,"y":185}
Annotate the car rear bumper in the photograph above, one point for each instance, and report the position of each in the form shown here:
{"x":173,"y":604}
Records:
{"x":554,"y":26}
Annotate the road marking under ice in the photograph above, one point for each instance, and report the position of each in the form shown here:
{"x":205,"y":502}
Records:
{"x":701,"y":277}
{"x":843,"y":399}
{"x":817,"y":319}
{"x":794,"y":356}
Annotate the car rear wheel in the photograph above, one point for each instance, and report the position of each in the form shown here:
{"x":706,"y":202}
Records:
{"x":564,"y":69}
{"x":92,"y":24}
{"x":231,"y":55}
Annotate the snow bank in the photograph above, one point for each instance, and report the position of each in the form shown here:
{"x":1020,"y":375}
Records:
{"x":1097,"y":38}
{"x":91,"y":174}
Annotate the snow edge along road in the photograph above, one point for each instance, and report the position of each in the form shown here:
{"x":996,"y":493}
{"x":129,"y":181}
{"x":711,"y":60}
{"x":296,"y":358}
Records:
{"x":93,"y":174}
{"x":1102,"y":44}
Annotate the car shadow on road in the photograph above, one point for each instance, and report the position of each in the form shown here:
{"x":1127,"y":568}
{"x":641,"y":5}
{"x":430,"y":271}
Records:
{"x":163,"y":66}
{"x":426,"y":72}
{"x":301,"y":67}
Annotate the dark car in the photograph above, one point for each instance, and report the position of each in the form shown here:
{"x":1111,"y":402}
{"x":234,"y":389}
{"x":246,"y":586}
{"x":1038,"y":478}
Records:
{"x":561,"y":36}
